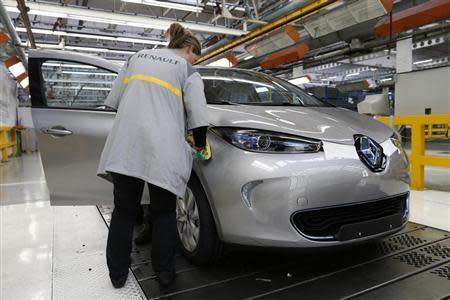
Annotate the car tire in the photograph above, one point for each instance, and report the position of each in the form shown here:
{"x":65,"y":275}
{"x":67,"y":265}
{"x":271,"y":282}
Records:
{"x":208,"y":246}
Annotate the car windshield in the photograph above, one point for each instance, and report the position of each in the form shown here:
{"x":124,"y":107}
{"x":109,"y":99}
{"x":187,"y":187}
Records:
{"x":231,"y":86}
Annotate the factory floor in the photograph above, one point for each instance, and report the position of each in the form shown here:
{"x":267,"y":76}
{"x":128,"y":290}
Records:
{"x":58,"y":252}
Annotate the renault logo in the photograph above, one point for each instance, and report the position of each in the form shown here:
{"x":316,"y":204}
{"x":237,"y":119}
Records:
{"x":370,"y":153}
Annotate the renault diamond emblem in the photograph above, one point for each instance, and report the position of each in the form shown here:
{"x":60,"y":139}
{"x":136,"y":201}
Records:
{"x":370,"y":153}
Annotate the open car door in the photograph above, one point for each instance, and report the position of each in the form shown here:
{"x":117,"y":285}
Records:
{"x":68,"y":91}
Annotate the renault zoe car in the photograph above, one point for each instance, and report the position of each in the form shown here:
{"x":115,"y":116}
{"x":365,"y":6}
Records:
{"x":287,"y":169}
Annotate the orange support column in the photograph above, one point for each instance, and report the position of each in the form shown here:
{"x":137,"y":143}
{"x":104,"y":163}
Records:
{"x":417,"y":152}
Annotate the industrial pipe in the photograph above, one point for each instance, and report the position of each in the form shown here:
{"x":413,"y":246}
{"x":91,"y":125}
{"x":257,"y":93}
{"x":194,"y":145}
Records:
{"x":270,"y":17}
{"x":6,"y":21}
{"x":303,"y":11}
{"x":26,"y":21}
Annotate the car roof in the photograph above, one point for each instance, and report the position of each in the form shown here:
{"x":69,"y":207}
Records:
{"x":102,"y":62}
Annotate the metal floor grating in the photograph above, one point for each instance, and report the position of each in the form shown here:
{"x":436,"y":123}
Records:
{"x":368,"y":271}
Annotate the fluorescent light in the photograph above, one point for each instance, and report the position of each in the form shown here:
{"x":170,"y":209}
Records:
{"x":423,"y":61}
{"x":86,"y":73}
{"x":214,"y":4}
{"x":92,"y":88}
{"x":170,"y":5}
{"x":90,"y":49}
{"x":87,"y":49}
{"x":248,"y":57}
{"x":145,"y":25}
{"x":78,"y":81}
{"x":300,"y":80}
{"x":92,"y":36}
{"x":101,"y":16}
{"x":25,"y":82}
{"x":386,"y":79}
{"x":134,"y":40}
{"x":46,"y":46}
{"x":17,"y":69}
{"x":353,"y":74}
{"x":68,"y":66}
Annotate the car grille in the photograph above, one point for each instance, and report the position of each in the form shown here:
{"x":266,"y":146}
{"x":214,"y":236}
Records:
{"x":325,"y":223}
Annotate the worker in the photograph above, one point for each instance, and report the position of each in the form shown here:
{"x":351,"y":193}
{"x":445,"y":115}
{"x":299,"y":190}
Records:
{"x":159,"y":96}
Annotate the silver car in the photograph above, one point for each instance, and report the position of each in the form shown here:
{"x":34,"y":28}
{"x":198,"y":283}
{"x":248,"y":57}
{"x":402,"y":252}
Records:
{"x":287,"y":170}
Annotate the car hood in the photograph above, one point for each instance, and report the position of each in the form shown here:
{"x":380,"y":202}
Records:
{"x":331,"y":124}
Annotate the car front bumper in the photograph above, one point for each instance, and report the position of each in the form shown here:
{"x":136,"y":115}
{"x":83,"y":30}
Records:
{"x":254,"y":196}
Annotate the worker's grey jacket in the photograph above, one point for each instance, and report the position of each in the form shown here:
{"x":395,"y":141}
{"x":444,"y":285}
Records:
{"x":147,"y":140}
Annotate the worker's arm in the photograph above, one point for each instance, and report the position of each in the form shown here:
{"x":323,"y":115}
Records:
{"x":195,"y":105}
{"x":113,"y":99}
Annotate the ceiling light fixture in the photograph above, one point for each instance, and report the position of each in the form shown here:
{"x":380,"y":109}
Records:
{"x":170,"y":5}
{"x":99,"y":16}
{"x":214,"y":4}
{"x":423,"y":61}
{"x":79,"y":48}
{"x":92,"y":36}
{"x":47,"y":64}
{"x":353,"y":74}
{"x":86,"y":73}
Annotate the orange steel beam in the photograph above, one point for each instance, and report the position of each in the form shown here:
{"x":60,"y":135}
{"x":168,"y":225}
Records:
{"x":302,"y":12}
{"x":285,"y":56}
{"x":426,"y":13}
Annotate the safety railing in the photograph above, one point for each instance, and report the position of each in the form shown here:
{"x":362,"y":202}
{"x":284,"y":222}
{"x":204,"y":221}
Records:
{"x":418,"y":160}
{"x":436,"y":131}
{"x":8,"y":139}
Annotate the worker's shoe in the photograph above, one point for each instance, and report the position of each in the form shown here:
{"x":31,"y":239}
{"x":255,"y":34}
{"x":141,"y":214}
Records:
{"x":145,"y":235}
{"x":119,"y":281}
{"x":166,"y":278}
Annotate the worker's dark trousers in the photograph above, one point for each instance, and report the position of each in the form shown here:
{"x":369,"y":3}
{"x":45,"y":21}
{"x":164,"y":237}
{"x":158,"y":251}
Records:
{"x":127,"y":197}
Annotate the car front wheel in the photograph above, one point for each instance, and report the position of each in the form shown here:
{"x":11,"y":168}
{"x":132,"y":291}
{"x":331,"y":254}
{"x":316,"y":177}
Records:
{"x":197,"y":233}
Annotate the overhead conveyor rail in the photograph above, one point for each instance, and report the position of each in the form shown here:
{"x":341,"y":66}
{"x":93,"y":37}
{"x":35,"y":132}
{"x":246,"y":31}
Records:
{"x":301,"y":12}
{"x":417,"y":254}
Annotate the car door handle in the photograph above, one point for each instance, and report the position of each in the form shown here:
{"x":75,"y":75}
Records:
{"x":58,"y":131}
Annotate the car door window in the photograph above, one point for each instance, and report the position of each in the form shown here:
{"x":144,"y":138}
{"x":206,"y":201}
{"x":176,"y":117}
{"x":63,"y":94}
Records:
{"x":75,"y":85}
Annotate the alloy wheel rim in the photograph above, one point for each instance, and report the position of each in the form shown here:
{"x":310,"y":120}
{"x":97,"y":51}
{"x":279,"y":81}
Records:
{"x":188,"y":221}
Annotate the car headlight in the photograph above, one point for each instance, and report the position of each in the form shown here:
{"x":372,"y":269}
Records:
{"x":267,"y":141}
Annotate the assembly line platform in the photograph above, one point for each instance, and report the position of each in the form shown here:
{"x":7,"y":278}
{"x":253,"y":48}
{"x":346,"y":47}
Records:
{"x":412,"y":264}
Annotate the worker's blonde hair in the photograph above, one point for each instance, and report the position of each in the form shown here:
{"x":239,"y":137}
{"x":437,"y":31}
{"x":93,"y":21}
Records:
{"x":180,"y":37}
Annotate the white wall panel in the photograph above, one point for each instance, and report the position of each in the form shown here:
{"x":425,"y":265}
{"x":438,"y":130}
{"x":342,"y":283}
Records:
{"x":415,"y":91}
